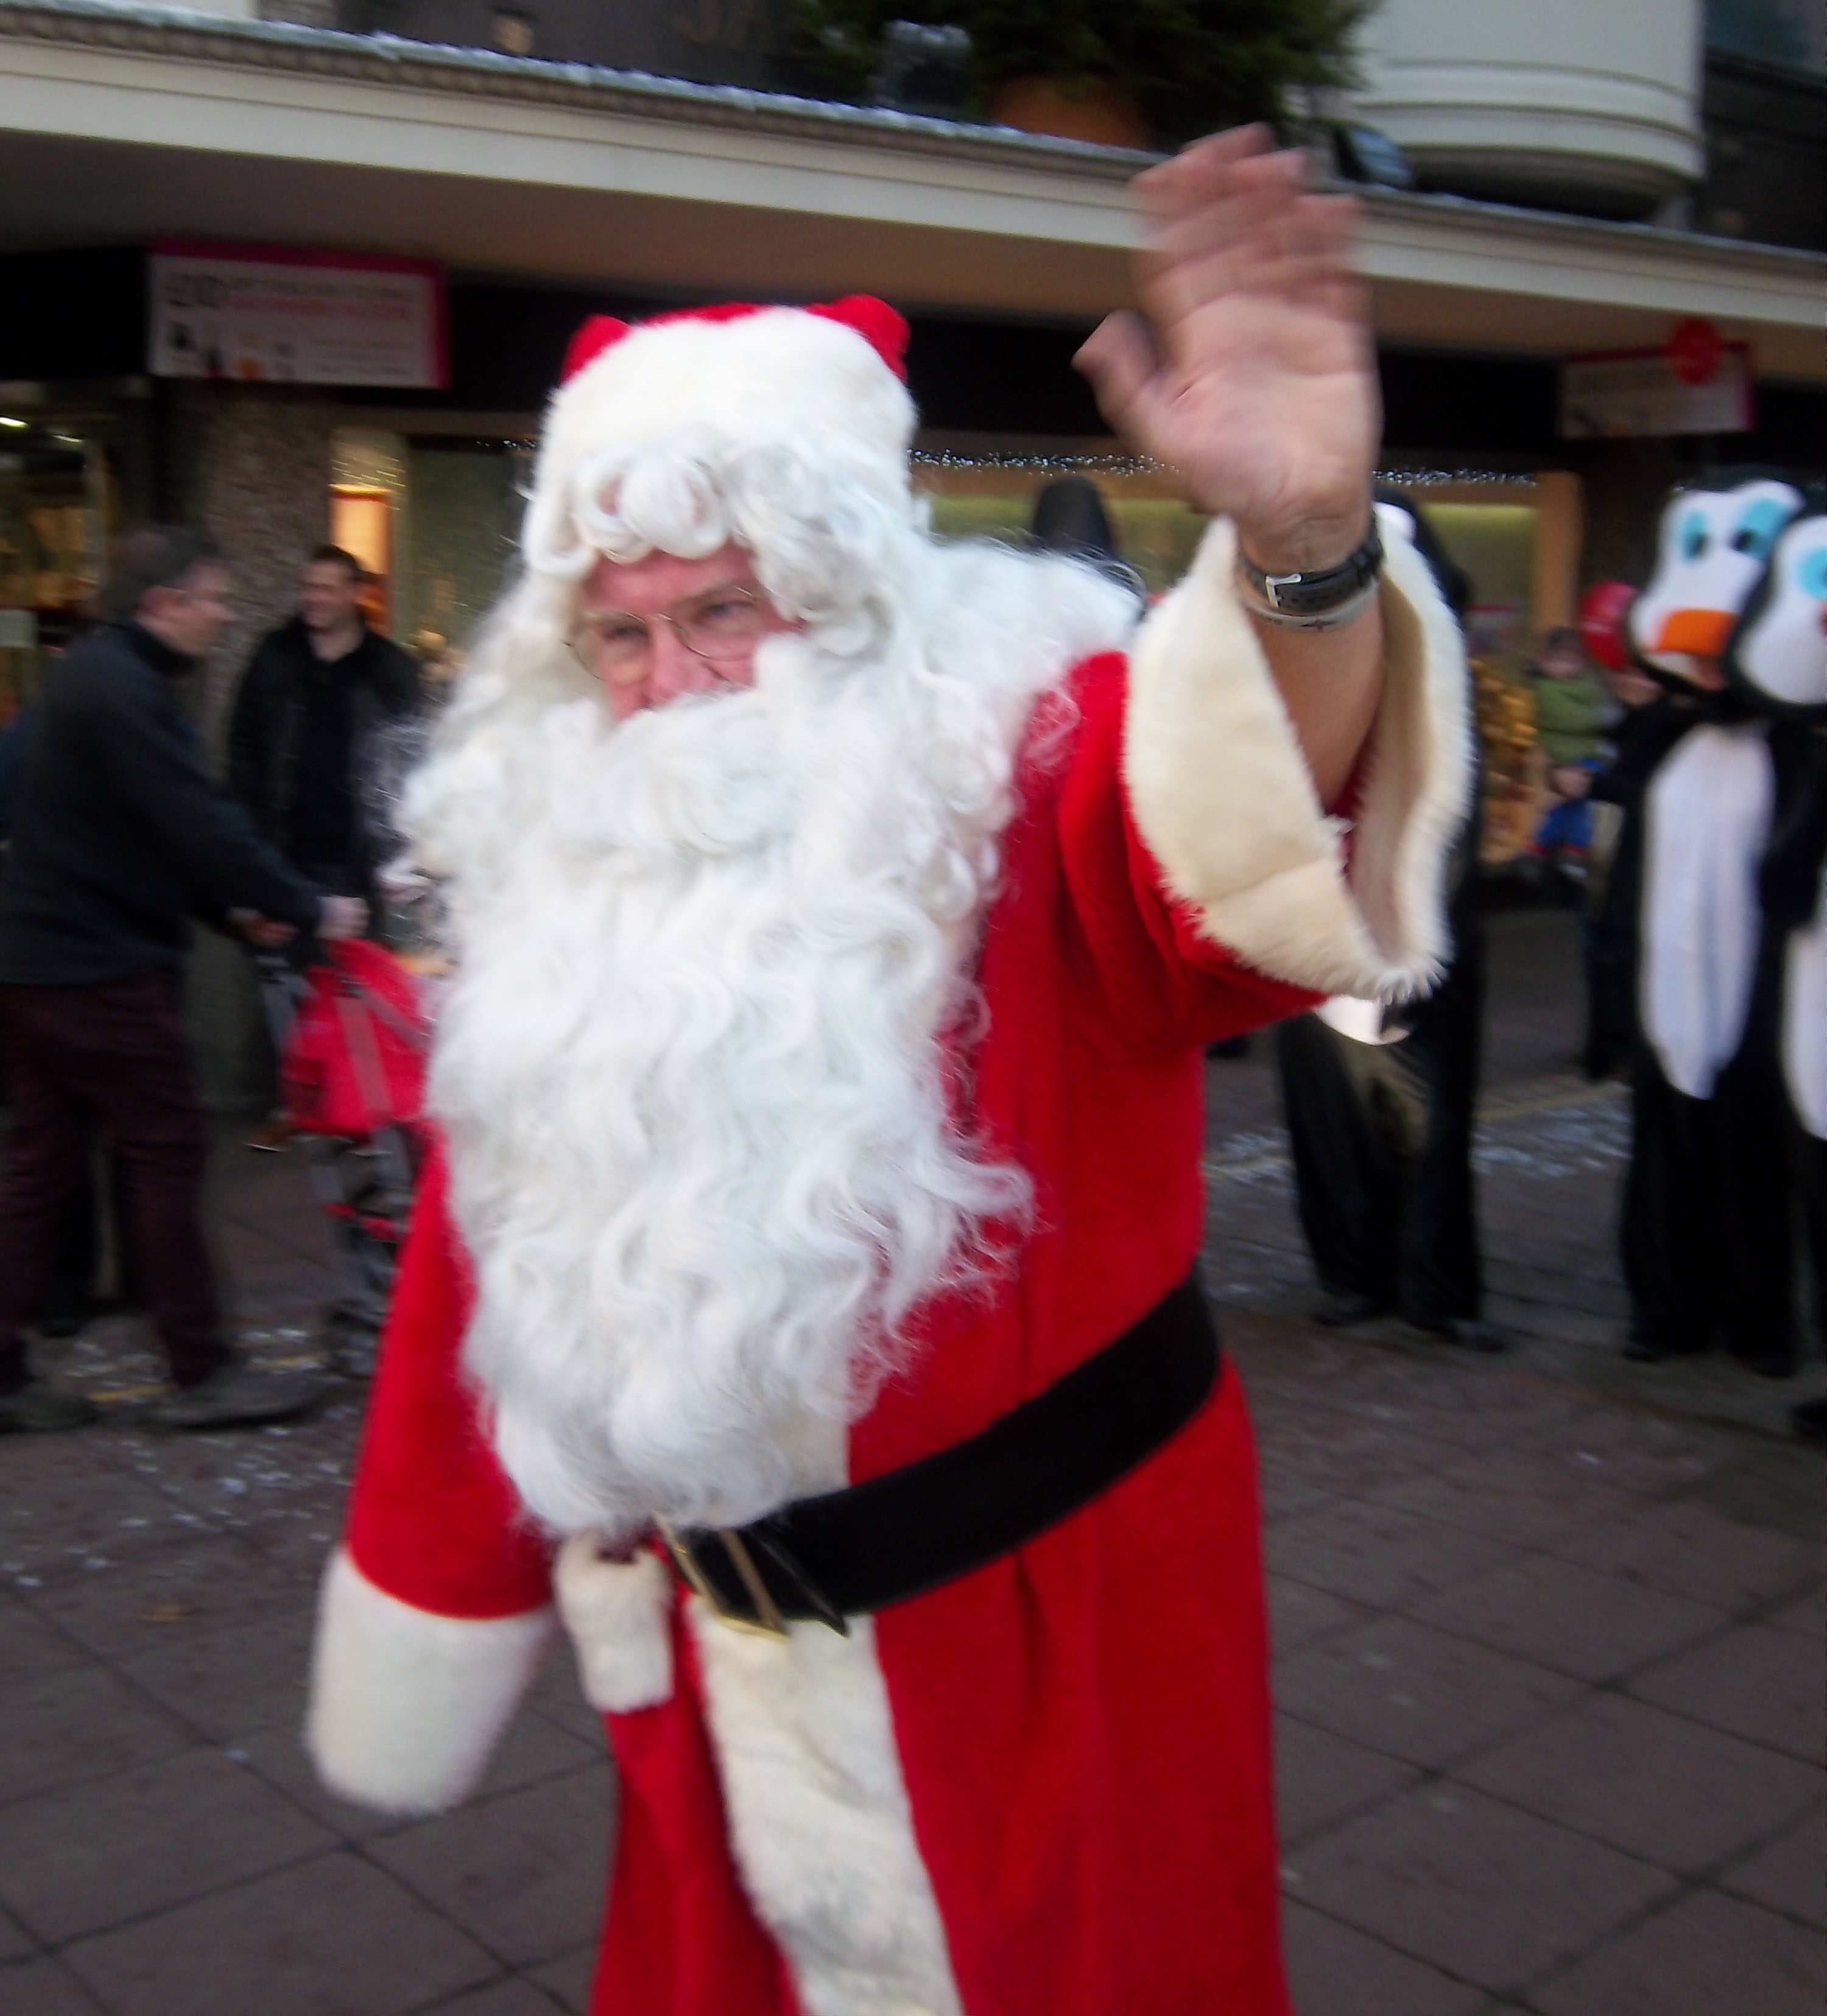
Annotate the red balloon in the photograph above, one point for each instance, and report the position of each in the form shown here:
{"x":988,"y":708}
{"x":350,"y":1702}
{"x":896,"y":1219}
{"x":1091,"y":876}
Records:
{"x":1602,"y":622}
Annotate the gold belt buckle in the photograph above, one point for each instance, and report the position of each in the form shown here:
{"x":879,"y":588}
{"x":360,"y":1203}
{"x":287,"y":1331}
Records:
{"x":767,"y":1622}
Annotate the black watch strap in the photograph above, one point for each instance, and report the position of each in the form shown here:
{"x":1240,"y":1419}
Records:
{"x":1316,"y":594}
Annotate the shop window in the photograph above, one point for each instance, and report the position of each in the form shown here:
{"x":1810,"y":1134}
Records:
{"x":361,"y":522}
{"x":54,"y":528}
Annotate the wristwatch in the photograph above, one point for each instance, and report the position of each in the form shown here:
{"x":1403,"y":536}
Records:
{"x":1324,"y":600}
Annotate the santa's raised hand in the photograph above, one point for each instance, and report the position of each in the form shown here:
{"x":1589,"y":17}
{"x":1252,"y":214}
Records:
{"x":1260,"y":388}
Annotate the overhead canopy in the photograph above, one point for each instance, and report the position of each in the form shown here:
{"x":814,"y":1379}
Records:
{"x":121,"y":124}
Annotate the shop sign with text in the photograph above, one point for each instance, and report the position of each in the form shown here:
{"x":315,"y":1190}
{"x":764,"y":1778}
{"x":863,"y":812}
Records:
{"x":1687,"y":388}
{"x":265,"y":314}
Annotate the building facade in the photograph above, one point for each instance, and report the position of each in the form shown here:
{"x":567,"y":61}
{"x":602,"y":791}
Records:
{"x":540,"y":175}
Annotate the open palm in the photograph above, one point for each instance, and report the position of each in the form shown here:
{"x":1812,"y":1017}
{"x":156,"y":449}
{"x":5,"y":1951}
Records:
{"x":1263,"y":392}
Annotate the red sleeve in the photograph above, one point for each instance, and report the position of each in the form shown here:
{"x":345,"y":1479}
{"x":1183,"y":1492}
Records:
{"x":1165,"y":981}
{"x":433,"y":1520}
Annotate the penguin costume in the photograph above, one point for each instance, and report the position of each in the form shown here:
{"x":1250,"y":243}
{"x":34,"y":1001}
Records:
{"x":1713,"y":1216}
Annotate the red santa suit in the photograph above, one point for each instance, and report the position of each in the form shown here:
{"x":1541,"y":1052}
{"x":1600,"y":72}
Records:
{"x":1044,"y":1788}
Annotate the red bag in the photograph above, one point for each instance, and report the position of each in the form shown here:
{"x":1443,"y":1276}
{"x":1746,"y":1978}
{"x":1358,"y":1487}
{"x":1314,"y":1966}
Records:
{"x":355,"y":1059}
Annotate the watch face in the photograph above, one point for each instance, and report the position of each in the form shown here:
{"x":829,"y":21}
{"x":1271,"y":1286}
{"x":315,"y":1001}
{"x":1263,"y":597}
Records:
{"x":1776,"y":657}
{"x":1713,"y":548}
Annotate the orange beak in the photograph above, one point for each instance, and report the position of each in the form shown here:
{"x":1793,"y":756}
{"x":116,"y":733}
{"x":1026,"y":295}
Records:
{"x":1701,"y":633}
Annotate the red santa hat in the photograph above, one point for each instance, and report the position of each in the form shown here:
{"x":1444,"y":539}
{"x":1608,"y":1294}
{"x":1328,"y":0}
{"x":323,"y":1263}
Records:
{"x":828,"y":377}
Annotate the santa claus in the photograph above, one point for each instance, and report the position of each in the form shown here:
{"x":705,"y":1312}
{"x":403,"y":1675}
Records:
{"x":801,"y":1308}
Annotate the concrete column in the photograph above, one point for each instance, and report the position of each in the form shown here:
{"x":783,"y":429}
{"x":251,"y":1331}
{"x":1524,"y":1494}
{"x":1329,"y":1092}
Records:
{"x":250,"y":464}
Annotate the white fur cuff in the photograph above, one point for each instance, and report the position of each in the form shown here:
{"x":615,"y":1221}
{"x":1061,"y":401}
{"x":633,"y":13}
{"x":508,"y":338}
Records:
{"x":1222,"y":796}
{"x":619,"y":1614}
{"x":406,"y":1706}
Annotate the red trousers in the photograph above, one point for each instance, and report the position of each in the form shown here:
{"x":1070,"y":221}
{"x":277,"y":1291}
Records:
{"x":113,"y":1056}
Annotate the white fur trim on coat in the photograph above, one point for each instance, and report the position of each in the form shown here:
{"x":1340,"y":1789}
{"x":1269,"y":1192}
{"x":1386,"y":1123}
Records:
{"x":619,"y":1614}
{"x":406,"y":1706}
{"x":819,"y":1819}
{"x":1222,"y":796}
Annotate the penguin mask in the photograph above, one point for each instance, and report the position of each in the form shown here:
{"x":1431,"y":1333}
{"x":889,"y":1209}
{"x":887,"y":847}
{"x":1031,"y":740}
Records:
{"x":1776,"y":657}
{"x":1712,"y":550}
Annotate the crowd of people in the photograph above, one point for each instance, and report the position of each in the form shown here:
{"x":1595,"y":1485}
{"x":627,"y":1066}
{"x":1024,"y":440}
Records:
{"x":802,"y":1285}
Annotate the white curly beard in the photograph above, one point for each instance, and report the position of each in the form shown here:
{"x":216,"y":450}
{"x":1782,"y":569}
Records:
{"x":691,"y":1068}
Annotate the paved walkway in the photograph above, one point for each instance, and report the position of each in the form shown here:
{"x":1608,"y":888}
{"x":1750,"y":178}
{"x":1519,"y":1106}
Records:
{"x":1549,"y":1635}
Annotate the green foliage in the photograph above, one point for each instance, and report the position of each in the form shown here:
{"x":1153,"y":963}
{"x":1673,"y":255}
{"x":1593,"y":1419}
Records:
{"x":1189,"y":65}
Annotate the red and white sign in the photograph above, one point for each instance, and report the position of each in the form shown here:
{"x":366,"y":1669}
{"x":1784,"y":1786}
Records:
{"x":272,"y":313}
{"x":1697,"y":384}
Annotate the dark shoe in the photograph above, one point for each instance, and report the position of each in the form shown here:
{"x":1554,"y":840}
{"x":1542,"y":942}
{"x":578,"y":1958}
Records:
{"x":1809,"y":1420}
{"x":273,"y":1137}
{"x":39,"y":1408}
{"x":236,"y":1394}
{"x":1658,"y":1351}
{"x":1470,"y":1333}
{"x":1341,"y":1311}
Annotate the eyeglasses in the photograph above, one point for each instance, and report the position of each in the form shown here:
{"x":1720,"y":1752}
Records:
{"x":719,"y":625}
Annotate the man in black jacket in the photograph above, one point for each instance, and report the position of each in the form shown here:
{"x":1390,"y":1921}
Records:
{"x":313,"y":696}
{"x":118,"y":836}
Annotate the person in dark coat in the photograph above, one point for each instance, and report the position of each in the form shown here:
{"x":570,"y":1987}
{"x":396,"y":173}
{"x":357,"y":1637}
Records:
{"x":119,"y":837}
{"x":315,"y":696}
{"x":1379,"y":1112}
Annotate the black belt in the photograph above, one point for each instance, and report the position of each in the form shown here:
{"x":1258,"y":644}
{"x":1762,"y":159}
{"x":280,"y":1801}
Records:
{"x":843,"y":1553}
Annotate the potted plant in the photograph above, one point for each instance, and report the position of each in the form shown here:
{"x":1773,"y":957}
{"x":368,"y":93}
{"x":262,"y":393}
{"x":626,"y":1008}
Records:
{"x":1135,"y":72}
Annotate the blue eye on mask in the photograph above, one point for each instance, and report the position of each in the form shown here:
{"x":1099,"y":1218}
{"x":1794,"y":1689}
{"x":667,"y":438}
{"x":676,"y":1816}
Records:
{"x":1759,"y":526}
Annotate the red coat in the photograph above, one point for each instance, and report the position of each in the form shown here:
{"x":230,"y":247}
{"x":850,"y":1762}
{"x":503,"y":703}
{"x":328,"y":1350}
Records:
{"x":1080,"y":1730}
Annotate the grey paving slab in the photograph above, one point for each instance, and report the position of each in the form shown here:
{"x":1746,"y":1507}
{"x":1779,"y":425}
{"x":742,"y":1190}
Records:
{"x":44,"y":1988}
{"x":1782,"y":1485}
{"x":54,"y":1520}
{"x":1755,"y":1682}
{"x":1413,"y":1693}
{"x":557,"y":1696}
{"x":1648,"y":1453}
{"x":1343,"y":1453}
{"x":129,"y":1605}
{"x":1530,"y":1500}
{"x":1321,"y":1779}
{"x":95,"y":1855}
{"x":568,"y":1979}
{"x":1679,"y":1795}
{"x":509,"y":1997}
{"x":1807,"y":1614}
{"x":1285,"y":1493}
{"x":62,"y":1728}
{"x":1568,"y":1618}
{"x":1688,"y":1548}
{"x":1707,"y":1956}
{"x":15,"y":1942}
{"x":1374,"y":1555}
{"x":230,"y":1679}
{"x":30,"y":1647}
{"x":527,"y":1872}
{"x":1334,"y":1970}
{"x":1473,"y":1887}
{"x":1788,"y":1874}
{"x":1300,"y":1616}
{"x":335,"y":1937}
{"x":534,"y":1748}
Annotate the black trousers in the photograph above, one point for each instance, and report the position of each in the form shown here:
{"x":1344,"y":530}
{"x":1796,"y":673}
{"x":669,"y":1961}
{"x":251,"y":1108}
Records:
{"x":114,"y":1055}
{"x":1382,"y":1138}
{"x":1714,"y":1230}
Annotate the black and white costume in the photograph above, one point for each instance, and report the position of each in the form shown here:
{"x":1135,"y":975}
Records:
{"x":1713,"y":1201}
